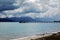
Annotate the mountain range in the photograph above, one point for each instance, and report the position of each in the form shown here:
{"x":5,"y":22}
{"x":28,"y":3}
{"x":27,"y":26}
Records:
{"x":25,"y":19}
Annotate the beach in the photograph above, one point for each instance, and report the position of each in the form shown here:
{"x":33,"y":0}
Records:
{"x":39,"y":37}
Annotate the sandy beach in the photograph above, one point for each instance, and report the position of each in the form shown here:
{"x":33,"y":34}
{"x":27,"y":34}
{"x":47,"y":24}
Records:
{"x":32,"y":37}
{"x":47,"y":36}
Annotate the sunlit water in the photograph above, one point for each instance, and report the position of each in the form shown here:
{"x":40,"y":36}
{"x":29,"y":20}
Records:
{"x":13,"y":30}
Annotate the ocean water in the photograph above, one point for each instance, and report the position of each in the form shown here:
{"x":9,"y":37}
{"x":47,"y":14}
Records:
{"x":11,"y":30}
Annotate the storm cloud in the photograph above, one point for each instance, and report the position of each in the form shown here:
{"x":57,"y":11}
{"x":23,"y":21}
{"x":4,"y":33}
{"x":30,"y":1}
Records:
{"x":32,"y":8}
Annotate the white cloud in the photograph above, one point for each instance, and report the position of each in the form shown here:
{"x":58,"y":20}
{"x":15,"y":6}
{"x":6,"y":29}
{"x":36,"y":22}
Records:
{"x":18,"y":2}
{"x":54,"y":3}
{"x":35,"y":8}
{"x":2,"y":16}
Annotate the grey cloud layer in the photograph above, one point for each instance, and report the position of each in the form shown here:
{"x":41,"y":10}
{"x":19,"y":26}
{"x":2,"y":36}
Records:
{"x":7,"y":5}
{"x":38,"y":8}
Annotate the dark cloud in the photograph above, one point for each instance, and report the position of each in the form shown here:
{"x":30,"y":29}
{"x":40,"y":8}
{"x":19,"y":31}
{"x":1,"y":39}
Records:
{"x":18,"y":8}
{"x":7,"y":5}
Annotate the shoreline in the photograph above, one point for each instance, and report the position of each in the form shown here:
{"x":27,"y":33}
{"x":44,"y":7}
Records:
{"x":33,"y":37}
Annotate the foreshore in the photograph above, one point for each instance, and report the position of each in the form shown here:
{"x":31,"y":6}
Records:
{"x":51,"y":36}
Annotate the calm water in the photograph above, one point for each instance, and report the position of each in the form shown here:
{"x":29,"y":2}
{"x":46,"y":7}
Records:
{"x":15,"y":30}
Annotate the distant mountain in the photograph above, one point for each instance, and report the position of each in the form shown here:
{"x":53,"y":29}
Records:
{"x":43,"y":19}
{"x":6,"y":20}
{"x":15,"y":19}
{"x":25,"y":19}
{"x":57,"y":21}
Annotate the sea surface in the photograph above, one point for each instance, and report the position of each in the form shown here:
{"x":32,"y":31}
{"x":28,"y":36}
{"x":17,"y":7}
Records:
{"x":12,"y":30}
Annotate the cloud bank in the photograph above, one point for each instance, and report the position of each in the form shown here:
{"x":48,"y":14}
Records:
{"x":31,"y":8}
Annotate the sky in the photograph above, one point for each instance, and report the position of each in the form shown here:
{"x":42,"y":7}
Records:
{"x":31,"y":8}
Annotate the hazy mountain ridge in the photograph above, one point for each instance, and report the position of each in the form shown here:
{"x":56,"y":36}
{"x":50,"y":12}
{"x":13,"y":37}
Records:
{"x":25,"y":19}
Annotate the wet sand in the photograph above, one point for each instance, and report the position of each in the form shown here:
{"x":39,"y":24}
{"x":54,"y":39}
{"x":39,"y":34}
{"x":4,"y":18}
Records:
{"x":32,"y":37}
